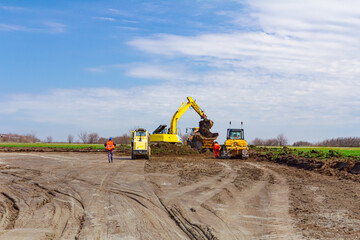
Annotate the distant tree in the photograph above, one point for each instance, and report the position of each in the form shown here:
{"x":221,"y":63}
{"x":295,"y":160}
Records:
{"x":93,"y":138}
{"x":258,"y":142}
{"x":302,"y":143}
{"x":31,"y":138}
{"x":124,"y":139}
{"x":70,"y":138}
{"x":84,"y":137}
{"x":49,"y":139}
{"x":341,"y":142}
{"x":103,"y":140}
{"x":271,"y":142}
{"x":282,"y":140}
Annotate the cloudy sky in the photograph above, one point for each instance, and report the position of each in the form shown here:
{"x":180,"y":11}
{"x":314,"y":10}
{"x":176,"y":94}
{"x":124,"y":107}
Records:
{"x":280,"y":66}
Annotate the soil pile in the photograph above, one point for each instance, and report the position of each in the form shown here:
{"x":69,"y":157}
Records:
{"x":172,"y":149}
{"x":204,"y":128}
{"x":333,"y":165}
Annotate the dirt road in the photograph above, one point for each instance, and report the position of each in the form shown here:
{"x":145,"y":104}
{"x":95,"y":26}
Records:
{"x":81,"y":196}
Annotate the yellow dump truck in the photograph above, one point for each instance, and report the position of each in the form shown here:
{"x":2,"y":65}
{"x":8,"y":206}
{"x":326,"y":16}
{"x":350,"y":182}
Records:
{"x":198,"y":141}
{"x":235,"y":145}
{"x":140,"y":147}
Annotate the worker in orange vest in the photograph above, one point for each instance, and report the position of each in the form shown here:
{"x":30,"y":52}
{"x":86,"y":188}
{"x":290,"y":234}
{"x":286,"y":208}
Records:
{"x":216,"y":149}
{"x":110,"y":146}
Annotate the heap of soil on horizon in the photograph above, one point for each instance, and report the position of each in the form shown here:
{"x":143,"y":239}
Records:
{"x":172,"y":149}
{"x":337,"y":165}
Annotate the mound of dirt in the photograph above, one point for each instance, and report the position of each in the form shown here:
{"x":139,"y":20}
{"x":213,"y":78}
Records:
{"x":172,"y":149}
{"x":204,"y":128}
{"x":348,"y":168}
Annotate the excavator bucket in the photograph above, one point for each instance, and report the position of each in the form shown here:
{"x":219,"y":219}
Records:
{"x":204,"y":128}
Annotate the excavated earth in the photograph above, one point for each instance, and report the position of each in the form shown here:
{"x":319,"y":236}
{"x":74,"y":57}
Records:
{"x":67,"y":195}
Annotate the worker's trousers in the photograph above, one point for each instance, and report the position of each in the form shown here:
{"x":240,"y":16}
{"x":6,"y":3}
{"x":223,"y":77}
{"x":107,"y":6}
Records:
{"x":110,"y":156}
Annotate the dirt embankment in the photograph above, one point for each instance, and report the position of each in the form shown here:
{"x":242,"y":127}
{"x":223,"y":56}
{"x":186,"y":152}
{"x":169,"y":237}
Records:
{"x":342,"y":167}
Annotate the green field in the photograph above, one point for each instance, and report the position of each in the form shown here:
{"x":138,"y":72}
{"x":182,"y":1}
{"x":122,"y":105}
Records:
{"x":60,"y":145}
{"x":345,"y":151}
{"x":320,"y":152}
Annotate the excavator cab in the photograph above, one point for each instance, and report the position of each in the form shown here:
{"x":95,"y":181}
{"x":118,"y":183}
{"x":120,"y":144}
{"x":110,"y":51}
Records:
{"x":161,"y":129}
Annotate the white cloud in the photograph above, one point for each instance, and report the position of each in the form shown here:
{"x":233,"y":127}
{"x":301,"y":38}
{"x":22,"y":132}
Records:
{"x":106,"y":19}
{"x":295,"y":62}
{"x":153,"y":71}
{"x":298,"y":62}
{"x":96,"y":69}
{"x":12,"y":8}
{"x":48,"y":27}
{"x":54,"y":27}
{"x":11,"y":27}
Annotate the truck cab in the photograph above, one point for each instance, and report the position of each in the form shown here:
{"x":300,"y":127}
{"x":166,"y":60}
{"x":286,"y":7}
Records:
{"x":140,"y":147}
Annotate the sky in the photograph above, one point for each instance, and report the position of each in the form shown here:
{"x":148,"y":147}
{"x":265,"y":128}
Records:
{"x":281,"y":67}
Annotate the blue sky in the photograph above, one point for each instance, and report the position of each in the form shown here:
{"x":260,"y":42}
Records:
{"x":288,"y":67}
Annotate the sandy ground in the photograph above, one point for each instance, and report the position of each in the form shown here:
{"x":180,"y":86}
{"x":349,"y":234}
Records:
{"x":81,"y":196}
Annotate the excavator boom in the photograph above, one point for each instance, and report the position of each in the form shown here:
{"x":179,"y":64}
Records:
{"x":183,"y":108}
{"x":171,"y":136}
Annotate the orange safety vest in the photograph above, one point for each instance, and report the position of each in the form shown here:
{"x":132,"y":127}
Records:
{"x":216,"y":147}
{"x":110,"y":145}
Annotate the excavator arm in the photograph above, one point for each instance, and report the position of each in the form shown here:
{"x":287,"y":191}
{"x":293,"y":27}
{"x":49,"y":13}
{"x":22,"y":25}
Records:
{"x":184,"y":107}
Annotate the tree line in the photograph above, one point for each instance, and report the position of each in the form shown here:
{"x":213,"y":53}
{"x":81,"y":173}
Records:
{"x":28,"y":138}
{"x":280,"y":140}
{"x":95,"y":138}
{"x":334,"y":142}
{"x":83,"y":137}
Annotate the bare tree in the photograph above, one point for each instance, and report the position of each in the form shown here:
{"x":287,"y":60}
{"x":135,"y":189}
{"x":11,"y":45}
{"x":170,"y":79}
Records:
{"x":281,"y":139}
{"x":124,"y":139}
{"x":302,"y":143}
{"x":49,"y":139}
{"x":70,"y":138}
{"x":271,"y":142}
{"x":341,"y":142}
{"x":93,"y":138}
{"x":84,"y":137}
{"x":258,"y":142}
{"x":30,"y":138}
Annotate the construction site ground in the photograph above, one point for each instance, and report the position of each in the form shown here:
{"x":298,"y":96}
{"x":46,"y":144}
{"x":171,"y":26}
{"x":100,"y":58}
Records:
{"x":67,"y":195}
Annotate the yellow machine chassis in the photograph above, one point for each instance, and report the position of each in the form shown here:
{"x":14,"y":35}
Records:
{"x":170,"y":138}
{"x":236,"y":148}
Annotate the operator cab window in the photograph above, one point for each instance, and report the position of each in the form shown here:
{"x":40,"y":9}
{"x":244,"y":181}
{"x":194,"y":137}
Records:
{"x":141,"y":134}
{"x":235,"y":135}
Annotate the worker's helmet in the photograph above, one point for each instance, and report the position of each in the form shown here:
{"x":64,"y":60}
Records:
{"x":215,"y":141}
{"x":110,"y":139}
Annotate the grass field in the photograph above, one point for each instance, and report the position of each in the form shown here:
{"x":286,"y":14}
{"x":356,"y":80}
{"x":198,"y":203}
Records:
{"x":321,"y":152}
{"x":345,"y":151}
{"x":59,"y":145}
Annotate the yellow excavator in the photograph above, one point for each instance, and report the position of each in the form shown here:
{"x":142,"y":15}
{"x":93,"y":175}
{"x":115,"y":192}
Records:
{"x":162,"y":134}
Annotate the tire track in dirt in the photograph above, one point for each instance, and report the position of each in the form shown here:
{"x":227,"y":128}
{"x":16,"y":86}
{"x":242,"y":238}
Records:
{"x":81,"y":196}
{"x":38,"y":206}
{"x":265,"y":207}
{"x":217,"y":206}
